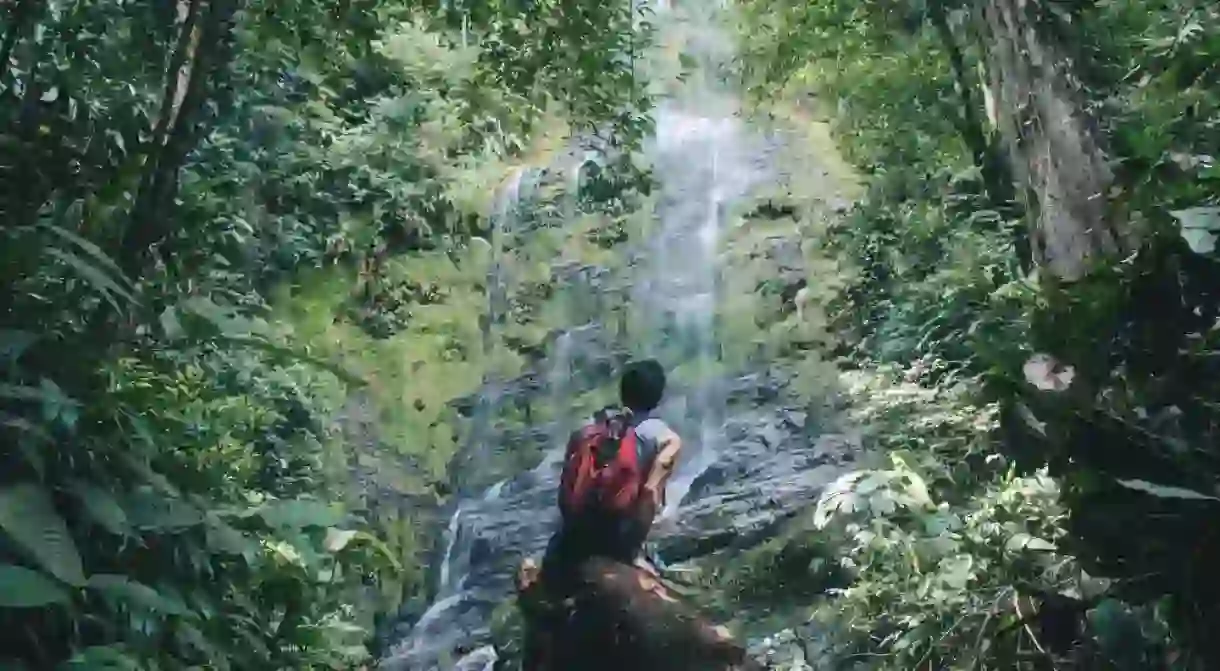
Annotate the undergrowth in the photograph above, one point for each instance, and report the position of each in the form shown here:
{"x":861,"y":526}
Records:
{"x":1049,"y":446}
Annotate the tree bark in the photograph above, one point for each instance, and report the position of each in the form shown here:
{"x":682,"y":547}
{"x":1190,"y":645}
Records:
{"x":621,"y":617}
{"x":1053,"y":145}
{"x":987,"y":153}
{"x":200,"y":54}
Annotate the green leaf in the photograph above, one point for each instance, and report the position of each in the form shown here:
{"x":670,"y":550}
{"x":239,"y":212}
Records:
{"x":151,"y":511}
{"x":98,"y":280}
{"x":1040,"y":545}
{"x":100,"y":506}
{"x":300,"y":513}
{"x":14,"y":343}
{"x":170,"y":324}
{"x":337,"y":539}
{"x":289,"y":354}
{"x":22,"y":588}
{"x":122,"y":589}
{"x":91,"y":250}
{"x":1166,"y":491}
{"x":102,"y":658}
{"x":224,"y":539}
{"x":28,"y":443}
{"x":28,"y":517}
{"x":191,"y":636}
{"x":958,"y":571}
{"x":1199,"y":226}
{"x":43,"y":394}
{"x":871,"y":482}
{"x":1018,"y":542}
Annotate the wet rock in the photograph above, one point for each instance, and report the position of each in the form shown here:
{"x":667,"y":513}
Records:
{"x":482,"y":659}
{"x":785,"y":649}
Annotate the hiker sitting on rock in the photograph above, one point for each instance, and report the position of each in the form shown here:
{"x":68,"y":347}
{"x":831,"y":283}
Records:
{"x":614,"y":476}
{"x":595,"y":604}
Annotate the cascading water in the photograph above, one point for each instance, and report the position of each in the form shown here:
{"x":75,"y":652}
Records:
{"x":445,"y":582}
{"x":704,"y":161}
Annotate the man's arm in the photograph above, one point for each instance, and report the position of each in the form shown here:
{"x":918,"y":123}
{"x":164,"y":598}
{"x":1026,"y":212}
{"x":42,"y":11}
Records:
{"x":668,"y":448}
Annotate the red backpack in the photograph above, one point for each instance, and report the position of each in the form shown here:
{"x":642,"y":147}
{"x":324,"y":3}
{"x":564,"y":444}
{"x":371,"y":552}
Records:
{"x":602,"y":473}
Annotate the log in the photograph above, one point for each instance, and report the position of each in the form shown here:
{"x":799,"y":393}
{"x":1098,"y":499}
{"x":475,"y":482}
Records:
{"x":620,"y":617}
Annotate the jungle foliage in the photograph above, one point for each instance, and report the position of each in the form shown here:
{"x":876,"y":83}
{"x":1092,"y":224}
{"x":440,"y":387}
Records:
{"x":172,"y":480}
{"x":1035,"y":258}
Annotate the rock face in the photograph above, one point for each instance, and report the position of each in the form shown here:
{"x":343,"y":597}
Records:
{"x":772,"y":472}
{"x":768,"y":466}
{"x":623,"y":617}
{"x":753,"y":455}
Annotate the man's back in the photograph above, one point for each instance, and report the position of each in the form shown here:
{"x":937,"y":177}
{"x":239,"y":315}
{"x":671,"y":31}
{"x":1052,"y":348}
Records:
{"x":619,"y":532}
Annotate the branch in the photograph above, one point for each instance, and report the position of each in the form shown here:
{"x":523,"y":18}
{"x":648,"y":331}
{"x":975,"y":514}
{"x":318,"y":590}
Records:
{"x":207,"y":51}
{"x":180,"y":67}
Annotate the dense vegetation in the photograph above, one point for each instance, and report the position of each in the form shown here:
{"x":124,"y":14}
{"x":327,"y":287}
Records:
{"x":1029,"y":307}
{"x":245,"y":247}
{"x":217,"y":214}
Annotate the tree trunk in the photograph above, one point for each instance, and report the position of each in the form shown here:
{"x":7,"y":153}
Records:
{"x":621,"y":617}
{"x":1053,"y":144}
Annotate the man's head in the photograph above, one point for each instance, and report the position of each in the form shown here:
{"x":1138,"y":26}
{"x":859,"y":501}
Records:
{"x":642,"y":385}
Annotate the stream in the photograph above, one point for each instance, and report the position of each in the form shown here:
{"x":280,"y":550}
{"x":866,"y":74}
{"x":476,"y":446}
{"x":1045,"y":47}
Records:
{"x":752,"y":457}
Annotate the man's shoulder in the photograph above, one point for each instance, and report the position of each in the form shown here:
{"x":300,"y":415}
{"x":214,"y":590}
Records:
{"x":653,"y":427}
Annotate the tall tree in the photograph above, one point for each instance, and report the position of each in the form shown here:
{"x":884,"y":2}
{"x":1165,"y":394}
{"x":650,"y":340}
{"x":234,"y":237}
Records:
{"x":1053,"y":143}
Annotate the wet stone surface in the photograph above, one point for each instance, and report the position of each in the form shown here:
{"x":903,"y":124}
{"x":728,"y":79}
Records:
{"x":769,"y":468}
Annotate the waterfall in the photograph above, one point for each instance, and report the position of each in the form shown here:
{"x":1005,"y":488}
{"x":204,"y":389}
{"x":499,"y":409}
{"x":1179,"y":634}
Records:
{"x":704,"y":160}
{"x":451,"y":533}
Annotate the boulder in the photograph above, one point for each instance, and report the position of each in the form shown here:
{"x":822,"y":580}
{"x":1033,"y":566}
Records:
{"x":621,"y":617}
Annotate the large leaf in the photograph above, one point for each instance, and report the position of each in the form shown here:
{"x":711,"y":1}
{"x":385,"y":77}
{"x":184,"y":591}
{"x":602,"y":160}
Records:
{"x":28,"y":517}
{"x":101,"y":507}
{"x":1166,"y":491}
{"x":224,"y":539}
{"x":1199,"y":227}
{"x":152,"y":511}
{"x":28,"y":443}
{"x":337,"y":539}
{"x":98,"y":280}
{"x":14,"y":343}
{"x":300,"y":513}
{"x":102,"y":658}
{"x":22,"y":588}
{"x":122,"y":589}
{"x":43,"y":394}
{"x":91,"y":250}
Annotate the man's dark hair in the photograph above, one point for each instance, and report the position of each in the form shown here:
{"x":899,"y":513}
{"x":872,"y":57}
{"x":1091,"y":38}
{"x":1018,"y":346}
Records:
{"x":642,"y":385}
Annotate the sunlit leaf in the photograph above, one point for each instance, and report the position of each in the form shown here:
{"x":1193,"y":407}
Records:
{"x":1040,"y":545}
{"x":1199,"y":227}
{"x":337,"y":539}
{"x":1048,"y":374}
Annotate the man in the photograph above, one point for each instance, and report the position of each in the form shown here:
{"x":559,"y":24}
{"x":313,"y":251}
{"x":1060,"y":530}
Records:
{"x":613,"y":485}
{"x":616,"y":530}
